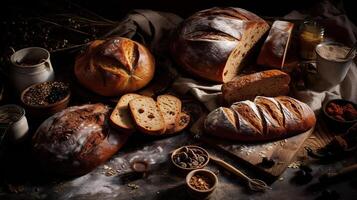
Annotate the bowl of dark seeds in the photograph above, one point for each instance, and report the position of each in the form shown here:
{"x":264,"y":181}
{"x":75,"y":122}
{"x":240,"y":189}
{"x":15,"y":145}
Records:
{"x":45,"y":99}
{"x":188,"y":158}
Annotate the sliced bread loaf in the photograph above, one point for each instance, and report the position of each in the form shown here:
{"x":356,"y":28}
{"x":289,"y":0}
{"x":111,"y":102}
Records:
{"x":120,"y":117}
{"x":147,"y":116}
{"x":181,"y":123}
{"x":270,"y":83}
{"x":170,"y":107}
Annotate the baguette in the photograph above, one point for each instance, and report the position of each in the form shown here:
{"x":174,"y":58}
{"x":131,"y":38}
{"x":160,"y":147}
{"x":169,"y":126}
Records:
{"x":264,"y":119}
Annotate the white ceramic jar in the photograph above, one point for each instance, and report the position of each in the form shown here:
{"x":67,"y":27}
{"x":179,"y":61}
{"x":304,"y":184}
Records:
{"x":29,"y":66}
{"x":14,"y":123}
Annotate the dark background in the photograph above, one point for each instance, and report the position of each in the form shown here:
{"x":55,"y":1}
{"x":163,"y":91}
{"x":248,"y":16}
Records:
{"x":117,"y":9}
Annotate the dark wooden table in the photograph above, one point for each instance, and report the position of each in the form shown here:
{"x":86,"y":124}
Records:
{"x":21,"y":178}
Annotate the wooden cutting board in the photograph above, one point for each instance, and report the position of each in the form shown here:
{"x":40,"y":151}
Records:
{"x":281,"y":151}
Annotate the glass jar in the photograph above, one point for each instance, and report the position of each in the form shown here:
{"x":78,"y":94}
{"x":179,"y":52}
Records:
{"x":311,"y":34}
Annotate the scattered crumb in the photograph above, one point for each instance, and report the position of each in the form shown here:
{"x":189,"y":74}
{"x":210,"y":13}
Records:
{"x":281,"y":178}
{"x":109,"y":171}
{"x":133,"y":186}
{"x":295,"y":165}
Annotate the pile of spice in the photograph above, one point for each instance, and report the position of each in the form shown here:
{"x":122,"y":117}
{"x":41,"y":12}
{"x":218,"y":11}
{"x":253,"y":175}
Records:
{"x":201,"y":182}
{"x":46,"y":93}
{"x":190,"y":157}
{"x":345,"y":112}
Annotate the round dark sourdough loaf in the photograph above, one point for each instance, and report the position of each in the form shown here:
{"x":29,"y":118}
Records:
{"x":264,"y":119}
{"x":213,"y":43}
{"x":76,"y":140}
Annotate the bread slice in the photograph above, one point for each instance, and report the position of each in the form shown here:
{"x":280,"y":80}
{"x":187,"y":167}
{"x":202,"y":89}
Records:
{"x":181,"y":123}
{"x":120,"y":117}
{"x":270,"y":83}
{"x":170,"y":107}
{"x":275,"y":47}
{"x":147,"y":116}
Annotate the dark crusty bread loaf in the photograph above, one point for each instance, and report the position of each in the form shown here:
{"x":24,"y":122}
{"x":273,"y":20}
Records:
{"x":264,"y":119}
{"x":120,"y":117}
{"x":214,"y":43}
{"x":268,"y":83}
{"x":275,"y":47}
{"x":76,"y":140}
{"x":147,"y":116}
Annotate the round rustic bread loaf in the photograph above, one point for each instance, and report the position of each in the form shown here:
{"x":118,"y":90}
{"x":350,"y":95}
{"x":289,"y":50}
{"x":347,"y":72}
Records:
{"x":115,"y":66}
{"x":76,"y":140}
{"x":213,"y":43}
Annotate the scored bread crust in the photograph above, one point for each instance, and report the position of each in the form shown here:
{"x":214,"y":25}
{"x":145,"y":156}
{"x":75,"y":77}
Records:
{"x":271,"y":112}
{"x":292,"y":117}
{"x":222,"y":123}
{"x":147,"y":116}
{"x":266,"y":83}
{"x":120,"y":117}
{"x":250,"y":121}
{"x":214,"y":43}
{"x":114,"y":66}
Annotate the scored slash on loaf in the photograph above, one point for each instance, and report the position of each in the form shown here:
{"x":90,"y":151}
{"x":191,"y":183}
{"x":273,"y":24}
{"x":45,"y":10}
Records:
{"x":114,"y":66}
{"x":263,"y":119}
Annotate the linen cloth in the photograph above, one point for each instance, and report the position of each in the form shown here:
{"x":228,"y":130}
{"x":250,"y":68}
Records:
{"x":343,"y":30}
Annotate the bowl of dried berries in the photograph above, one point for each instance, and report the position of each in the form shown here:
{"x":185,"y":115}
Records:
{"x":201,"y":183}
{"x":45,"y":99}
{"x":188,"y":158}
{"x":340,"y":114}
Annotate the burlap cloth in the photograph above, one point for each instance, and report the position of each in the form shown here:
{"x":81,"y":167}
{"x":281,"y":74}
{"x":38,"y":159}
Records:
{"x":155,"y":28}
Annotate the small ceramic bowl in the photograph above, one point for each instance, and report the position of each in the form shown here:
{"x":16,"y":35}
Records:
{"x":176,"y":153}
{"x":205,"y":176}
{"x":334,"y":123}
{"x":47,"y":109}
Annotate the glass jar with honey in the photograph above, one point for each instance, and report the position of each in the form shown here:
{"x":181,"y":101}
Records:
{"x":311,"y":34}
